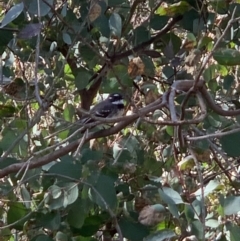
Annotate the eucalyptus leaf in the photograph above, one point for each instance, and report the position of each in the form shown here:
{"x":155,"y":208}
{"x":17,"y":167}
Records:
{"x":230,"y":144}
{"x":132,"y":230}
{"x":67,"y":39}
{"x":161,"y":235}
{"x":44,"y":8}
{"x":231,"y":205}
{"x":12,"y":14}
{"x":104,"y":193}
{"x":66,"y":168}
{"x":77,"y":213}
{"x":50,"y":220}
{"x":228,"y":57}
{"x":17,"y":211}
{"x":82,"y":78}
{"x":115,"y":24}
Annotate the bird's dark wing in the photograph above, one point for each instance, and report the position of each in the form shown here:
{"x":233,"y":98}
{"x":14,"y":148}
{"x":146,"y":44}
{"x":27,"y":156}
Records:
{"x":100,"y":110}
{"x":103,"y":109}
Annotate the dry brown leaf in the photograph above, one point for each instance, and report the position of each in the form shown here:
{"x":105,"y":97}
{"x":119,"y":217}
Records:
{"x":94,"y":11}
{"x":149,"y":216}
{"x":135,"y":67}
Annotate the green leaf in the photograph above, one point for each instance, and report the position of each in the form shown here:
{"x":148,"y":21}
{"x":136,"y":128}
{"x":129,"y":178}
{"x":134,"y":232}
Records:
{"x":231,"y":205}
{"x":234,"y":231}
{"x":16,"y":212}
{"x":175,"y":196}
{"x":158,"y":22}
{"x":61,"y":236}
{"x":121,"y":155}
{"x":12,"y":14}
{"x":212,"y":223}
{"x":54,"y":204}
{"x":161,"y":235}
{"x":89,"y":154}
{"x":214,"y":120}
{"x":104,"y":189}
{"x":174,"y":9}
{"x":220,"y":6}
{"x":132,"y":230}
{"x":211,"y":186}
{"x":170,"y":130}
{"x":8,"y":137}
{"x":169,"y":201}
{"x":149,"y":66}
{"x":121,"y":72}
{"x":82,"y":78}
{"x":228,"y":82}
{"x":141,"y":34}
{"x":189,"y":212}
{"x":102,"y":24}
{"x":69,"y":112}
{"x":188,"y":19}
{"x":52,"y":199}
{"x":44,"y":8}
{"x":70,"y":191}
{"x":67,"y":168}
{"x":6,"y":36}
{"x":197,"y":229}
{"x":91,"y":225}
{"x":186,"y":163}
{"x":204,"y":42}
{"x":167,"y":72}
{"x":115,"y":24}
{"x":212,"y":72}
{"x":7,"y":110}
{"x":68,"y":72}
{"x":26,"y":197}
{"x":228,"y":57}
{"x":87,"y":53}
{"x":230,"y":144}
{"x":50,"y":220}
{"x":66,"y":38}
{"x":55,"y":191}
{"x":77,"y":213}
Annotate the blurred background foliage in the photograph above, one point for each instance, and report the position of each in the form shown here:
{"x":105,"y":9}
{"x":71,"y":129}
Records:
{"x":142,"y":183}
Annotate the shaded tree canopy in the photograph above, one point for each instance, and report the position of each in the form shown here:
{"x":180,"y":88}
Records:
{"x":168,"y":169}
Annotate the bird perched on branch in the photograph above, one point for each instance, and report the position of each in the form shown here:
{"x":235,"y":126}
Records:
{"x":112,"y":107}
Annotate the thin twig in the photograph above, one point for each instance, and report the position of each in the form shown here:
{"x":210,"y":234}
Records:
{"x":202,"y":190}
{"x":206,"y":60}
{"x":37,"y":93}
{"x":215,"y":135}
{"x":81,"y":143}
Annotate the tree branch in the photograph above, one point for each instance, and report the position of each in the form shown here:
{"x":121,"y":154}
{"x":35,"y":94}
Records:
{"x":160,"y":103}
{"x":145,"y":44}
{"x":40,"y":161}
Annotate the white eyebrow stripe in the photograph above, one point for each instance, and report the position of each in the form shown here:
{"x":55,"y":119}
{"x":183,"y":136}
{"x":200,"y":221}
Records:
{"x":117,"y":102}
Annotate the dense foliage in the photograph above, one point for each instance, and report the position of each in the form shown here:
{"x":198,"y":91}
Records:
{"x":168,"y":169}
